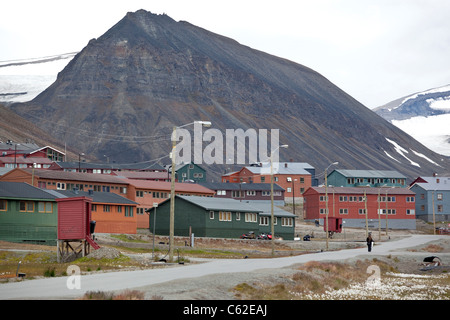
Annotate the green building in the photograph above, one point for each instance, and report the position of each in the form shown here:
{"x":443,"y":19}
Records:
{"x":366,"y":178}
{"x":27,"y":214}
{"x":189,"y":172}
{"x":219,"y":218}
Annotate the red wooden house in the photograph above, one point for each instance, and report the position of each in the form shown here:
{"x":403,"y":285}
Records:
{"x":351,"y":203}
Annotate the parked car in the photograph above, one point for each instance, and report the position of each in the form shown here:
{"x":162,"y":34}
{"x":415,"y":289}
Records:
{"x":249,"y":235}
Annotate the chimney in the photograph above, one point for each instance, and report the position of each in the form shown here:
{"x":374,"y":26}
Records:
{"x":285,"y":164}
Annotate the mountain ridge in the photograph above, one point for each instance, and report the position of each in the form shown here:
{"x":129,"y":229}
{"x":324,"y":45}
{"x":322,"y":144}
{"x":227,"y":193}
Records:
{"x":121,"y":95}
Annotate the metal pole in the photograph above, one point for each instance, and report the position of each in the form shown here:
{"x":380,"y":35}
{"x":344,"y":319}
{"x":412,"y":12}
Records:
{"x":272,"y":228}
{"x":326,"y":209}
{"x":154,"y":226}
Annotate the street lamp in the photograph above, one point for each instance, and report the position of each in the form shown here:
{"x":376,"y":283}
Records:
{"x":326,"y":198}
{"x":172,"y":188}
{"x":79,"y":161}
{"x":272,"y":229}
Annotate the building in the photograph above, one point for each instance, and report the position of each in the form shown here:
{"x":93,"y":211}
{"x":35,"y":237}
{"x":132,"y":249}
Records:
{"x":432,"y":198}
{"x":27,"y":214}
{"x":147,"y":193}
{"x":249,"y":192}
{"x":294,"y":177}
{"x":111,"y":212}
{"x":29,"y":150}
{"x":144,"y":192}
{"x":364,"y":178}
{"x":104,"y":168}
{"x":188,"y":172}
{"x":221,"y":218}
{"x":351,"y":203}
{"x":61,"y":180}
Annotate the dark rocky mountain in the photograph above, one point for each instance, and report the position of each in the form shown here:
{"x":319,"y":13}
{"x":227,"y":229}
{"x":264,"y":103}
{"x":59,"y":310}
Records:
{"x":121,"y":95}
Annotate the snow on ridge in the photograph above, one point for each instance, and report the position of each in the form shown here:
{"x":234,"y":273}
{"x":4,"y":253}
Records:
{"x":402,"y":152}
{"x":434,"y":90}
{"x":425,"y":157}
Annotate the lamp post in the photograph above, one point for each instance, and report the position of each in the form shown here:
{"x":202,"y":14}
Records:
{"x":379,"y":213}
{"x":79,"y":161}
{"x":326,"y":198}
{"x":272,"y":229}
{"x":172,"y":188}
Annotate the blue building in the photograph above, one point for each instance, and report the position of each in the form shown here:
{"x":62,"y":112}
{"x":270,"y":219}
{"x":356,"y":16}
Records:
{"x":371,"y":178}
{"x":432,"y":198}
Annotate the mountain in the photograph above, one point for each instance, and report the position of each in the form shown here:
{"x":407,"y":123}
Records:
{"x":22,"y":80}
{"x":424,"y":115}
{"x":121,"y":95}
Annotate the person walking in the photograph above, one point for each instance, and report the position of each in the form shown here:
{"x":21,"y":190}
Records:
{"x":369,"y":241}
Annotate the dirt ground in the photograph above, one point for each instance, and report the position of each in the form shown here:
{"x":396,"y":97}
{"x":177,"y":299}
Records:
{"x":219,"y":287}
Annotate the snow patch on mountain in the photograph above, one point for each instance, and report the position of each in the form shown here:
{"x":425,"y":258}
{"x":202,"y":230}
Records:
{"x":402,"y":152}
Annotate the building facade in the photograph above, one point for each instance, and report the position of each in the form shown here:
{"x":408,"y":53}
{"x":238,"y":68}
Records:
{"x":221,"y":218}
{"x":294,"y":177}
{"x":364,"y":178}
{"x":352,"y":203}
{"x":432,"y":198}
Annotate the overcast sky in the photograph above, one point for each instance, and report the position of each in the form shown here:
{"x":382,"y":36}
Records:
{"x":375,"y":50}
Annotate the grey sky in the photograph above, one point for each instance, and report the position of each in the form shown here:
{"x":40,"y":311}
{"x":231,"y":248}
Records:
{"x":375,"y":50}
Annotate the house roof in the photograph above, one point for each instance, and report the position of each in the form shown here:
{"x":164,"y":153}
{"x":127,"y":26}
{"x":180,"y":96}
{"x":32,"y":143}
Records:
{"x":240,"y":186}
{"x":166,"y":186}
{"x":359,"y":190}
{"x":75,"y":176}
{"x":282,"y":168}
{"x":220,"y":204}
{"x":97,"y":197}
{"x":142,"y":174}
{"x":267,"y":210}
{"x":112,"y":166}
{"x":28,"y":160}
{"x":369,"y":173}
{"x":434,"y":183}
{"x":22,"y":190}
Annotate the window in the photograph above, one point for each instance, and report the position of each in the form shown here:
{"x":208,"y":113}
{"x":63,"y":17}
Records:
{"x":302,"y":180}
{"x":139,"y":193}
{"x":289,"y":190}
{"x":439,"y":196}
{"x":440,"y":208}
{"x":287,"y":222}
{"x":250,"y":217}
{"x":390,"y":211}
{"x":221,"y":192}
{"x":119,"y":209}
{"x":94,"y":208}
{"x":237,"y":194}
{"x":128,"y":211}
{"x":26,"y":206}
{"x":263,"y":179}
{"x":342,"y":198}
{"x":60,"y":186}
{"x":46,"y":207}
{"x":238,"y":216}
{"x":353,"y":198}
{"x":323,"y":211}
{"x":410,"y":211}
{"x":224,"y":216}
{"x":288,"y":179}
{"x":251,"y":192}
{"x":106,"y":208}
{"x":263,"y":221}
{"x":361,"y":211}
{"x":323,"y":198}
{"x":410,"y":199}
{"x":3,"y":205}
{"x":343,"y":211}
